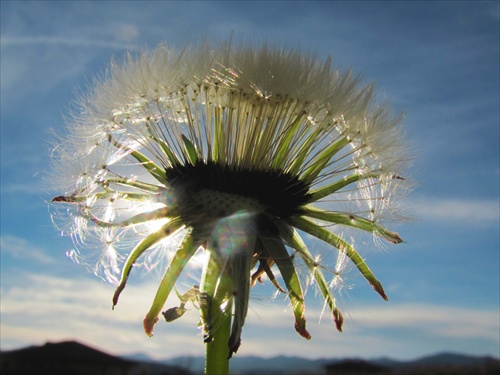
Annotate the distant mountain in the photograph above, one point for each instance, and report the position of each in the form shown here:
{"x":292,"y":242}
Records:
{"x":138,"y":357}
{"x":74,"y":358}
{"x":441,"y":363}
{"x":441,"y":360}
{"x":356,"y":366}
{"x":449,"y":359}
{"x":282,"y":365}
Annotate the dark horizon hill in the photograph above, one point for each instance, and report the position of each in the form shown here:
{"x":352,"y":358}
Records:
{"x":74,"y":358}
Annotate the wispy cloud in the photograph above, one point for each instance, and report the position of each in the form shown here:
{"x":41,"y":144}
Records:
{"x":12,"y":41}
{"x":464,"y":211}
{"x":34,"y":64}
{"x":375,"y":331}
{"x":45,"y":308}
{"x":23,"y":188}
{"x":445,"y":321}
{"x":21,"y":249}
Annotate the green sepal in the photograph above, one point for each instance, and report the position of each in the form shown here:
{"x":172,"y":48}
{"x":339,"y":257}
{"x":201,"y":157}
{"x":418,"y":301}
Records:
{"x":209,"y":280}
{"x":218,"y":146}
{"x":111,"y":193}
{"x":264,"y":267}
{"x":152,"y":168}
{"x":334,"y":240}
{"x":240,"y":264}
{"x":165,"y":231}
{"x":352,"y":220}
{"x":172,"y":158}
{"x":144,"y":217}
{"x":324,"y":191}
{"x":304,"y":151}
{"x":293,"y":239}
{"x":140,"y":185}
{"x":186,"y":250}
{"x":278,"y":252}
{"x":192,"y":152}
{"x":284,"y":144}
{"x":322,"y":160}
{"x":155,"y":171}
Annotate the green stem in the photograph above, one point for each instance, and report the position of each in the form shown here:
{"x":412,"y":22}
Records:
{"x":217,"y":353}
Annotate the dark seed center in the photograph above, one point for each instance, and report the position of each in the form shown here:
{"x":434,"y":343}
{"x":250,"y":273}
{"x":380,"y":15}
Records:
{"x":282,"y":194}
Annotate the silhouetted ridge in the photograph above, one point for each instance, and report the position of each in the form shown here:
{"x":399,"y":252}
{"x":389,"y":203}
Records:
{"x":73,"y":358}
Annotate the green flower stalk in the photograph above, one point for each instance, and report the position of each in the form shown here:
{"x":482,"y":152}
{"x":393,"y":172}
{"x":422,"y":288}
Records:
{"x":231,"y":153}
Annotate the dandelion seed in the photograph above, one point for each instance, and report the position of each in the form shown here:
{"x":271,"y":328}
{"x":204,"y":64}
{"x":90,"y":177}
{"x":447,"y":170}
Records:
{"x":241,"y":150}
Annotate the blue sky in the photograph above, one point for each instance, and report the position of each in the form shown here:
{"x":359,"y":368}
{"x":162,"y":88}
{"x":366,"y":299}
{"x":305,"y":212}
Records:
{"x":436,"y":61}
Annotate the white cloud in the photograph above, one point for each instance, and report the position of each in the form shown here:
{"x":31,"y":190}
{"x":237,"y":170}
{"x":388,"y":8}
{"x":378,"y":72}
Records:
{"x":445,"y":321}
{"x":454,"y":211}
{"x":23,"y":188}
{"x":45,"y":308}
{"x":31,"y":68}
{"x":124,"y":32}
{"x":20,"y":248}
{"x":369,"y":331}
{"x":33,"y":65}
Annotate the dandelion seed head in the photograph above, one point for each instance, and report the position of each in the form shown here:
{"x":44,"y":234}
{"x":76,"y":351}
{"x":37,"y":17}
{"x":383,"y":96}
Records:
{"x":211,"y":163}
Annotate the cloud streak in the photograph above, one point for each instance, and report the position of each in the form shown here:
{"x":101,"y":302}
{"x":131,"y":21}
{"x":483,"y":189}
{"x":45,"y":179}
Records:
{"x":20,"y":41}
{"x":463,"y":211}
{"x":21,"y":249}
{"x":42,"y":308}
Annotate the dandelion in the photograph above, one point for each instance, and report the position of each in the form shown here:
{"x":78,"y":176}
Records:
{"x":236,"y":152}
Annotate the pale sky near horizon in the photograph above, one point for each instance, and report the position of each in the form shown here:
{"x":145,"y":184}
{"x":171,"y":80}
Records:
{"x":436,"y":61}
